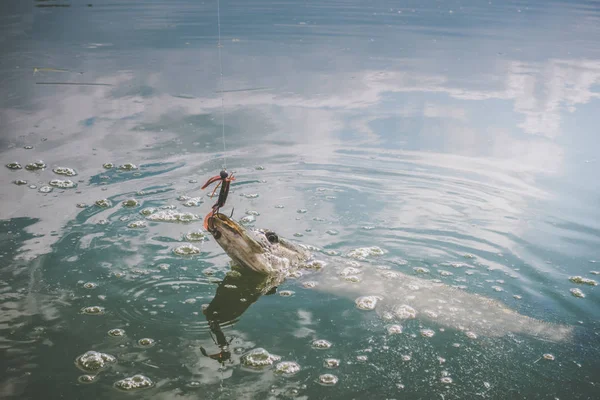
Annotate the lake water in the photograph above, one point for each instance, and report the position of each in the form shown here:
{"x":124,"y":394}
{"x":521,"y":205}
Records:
{"x":460,"y":138}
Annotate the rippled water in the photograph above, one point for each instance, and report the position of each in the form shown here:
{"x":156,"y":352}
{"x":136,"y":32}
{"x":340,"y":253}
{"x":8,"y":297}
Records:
{"x":454,"y":142}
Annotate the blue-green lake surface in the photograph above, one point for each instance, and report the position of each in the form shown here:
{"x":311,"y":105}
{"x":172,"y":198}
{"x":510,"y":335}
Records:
{"x":454,"y":142}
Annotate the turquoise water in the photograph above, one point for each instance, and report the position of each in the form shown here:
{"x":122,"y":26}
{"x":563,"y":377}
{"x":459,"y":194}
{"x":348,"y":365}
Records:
{"x":457,"y":137}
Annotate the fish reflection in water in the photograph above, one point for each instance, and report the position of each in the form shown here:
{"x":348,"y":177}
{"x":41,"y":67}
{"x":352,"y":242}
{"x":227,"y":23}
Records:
{"x":235,"y":294}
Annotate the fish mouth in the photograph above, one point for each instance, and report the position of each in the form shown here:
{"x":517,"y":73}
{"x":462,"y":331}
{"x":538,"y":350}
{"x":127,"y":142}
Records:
{"x":237,"y":242}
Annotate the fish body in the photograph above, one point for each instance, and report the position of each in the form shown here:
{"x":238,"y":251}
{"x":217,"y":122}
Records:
{"x":394,"y":295}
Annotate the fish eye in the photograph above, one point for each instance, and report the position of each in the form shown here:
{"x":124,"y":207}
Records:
{"x":272,"y":237}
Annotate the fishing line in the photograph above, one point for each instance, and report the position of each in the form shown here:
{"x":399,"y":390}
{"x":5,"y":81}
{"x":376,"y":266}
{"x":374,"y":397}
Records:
{"x":222,"y":86}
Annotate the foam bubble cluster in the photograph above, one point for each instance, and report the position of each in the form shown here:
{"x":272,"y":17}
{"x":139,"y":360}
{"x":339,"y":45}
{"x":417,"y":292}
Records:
{"x":328,"y":379}
{"x":137,"y":224}
{"x":93,"y":361}
{"x":577,"y":293}
{"x":64,"y":171}
{"x":172,"y":216}
{"x":186,"y":250}
{"x":146,"y":342}
{"x":128,"y":167}
{"x":116,"y":332}
{"x":583,"y":281}
{"x":193,"y":202}
{"x":130,"y":203}
{"x":93,"y":310}
{"x":309,"y":284}
{"x":104,"y":203}
{"x":321,"y":344}
{"x":287,"y":368}
{"x":331,"y":363}
{"x":63,"y":184}
{"x":394,"y":329}
{"x":196,"y":236}
{"x":427,"y":333}
{"x":367,"y":302}
{"x":259,"y":358}
{"x":134,"y":382}
{"x":13,"y":165}
{"x":35,"y":166}
{"x":405,"y":312}
{"x":365,"y":252}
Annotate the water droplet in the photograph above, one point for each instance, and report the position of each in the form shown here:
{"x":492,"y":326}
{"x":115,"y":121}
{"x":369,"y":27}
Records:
{"x":64,"y":171}
{"x":93,"y":361}
{"x":133,"y":383}
{"x":328,"y":379}
{"x":321,"y":344}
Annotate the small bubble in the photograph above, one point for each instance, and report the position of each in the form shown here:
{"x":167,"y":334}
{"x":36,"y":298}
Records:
{"x":90,"y":285}
{"x":321,"y":344}
{"x":248,"y":220}
{"x":251,"y":195}
{"x":405,"y":312}
{"x":104,"y":203}
{"x":331,"y":363}
{"x":108,"y":165}
{"x":259,"y":358}
{"x":146,"y":342}
{"x":133,"y":383}
{"x":116,"y":332}
{"x":427,"y":333}
{"x":328,"y":379}
{"x":13,"y":165}
{"x":279,"y":206}
{"x":136,"y":224}
{"x":332,"y":232}
{"x":186,"y":250}
{"x":577,"y":293}
{"x":471,"y":335}
{"x":394,"y":329}
{"x":20,"y":182}
{"x":286,"y":293}
{"x":302,"y":211}
{"x":45,"y":189}
{"x":548,"y":357}
{"x":63,"y":184}
{"x":259,"y":168}
{"x":309,"y":284}
{"x":28,"y":147}
{"x":446,"y":379}
{"x":367,"y":302}
{"x":130,"y":203}
{"x":196,"y":236}
{"x":583,"y":281}
{"x":93,"y":361}
{"x":253,"y":213}
{"x":87,"y":378}
{"x":128,"y":167}
{"x":64,"y":171}
{"x":298,"y":234}
{"x":362,"y":358}
{"x":35,"y":166}
{"x":93,"y":310}
{"x":406,"y":357}
{"x":287,"y":368}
